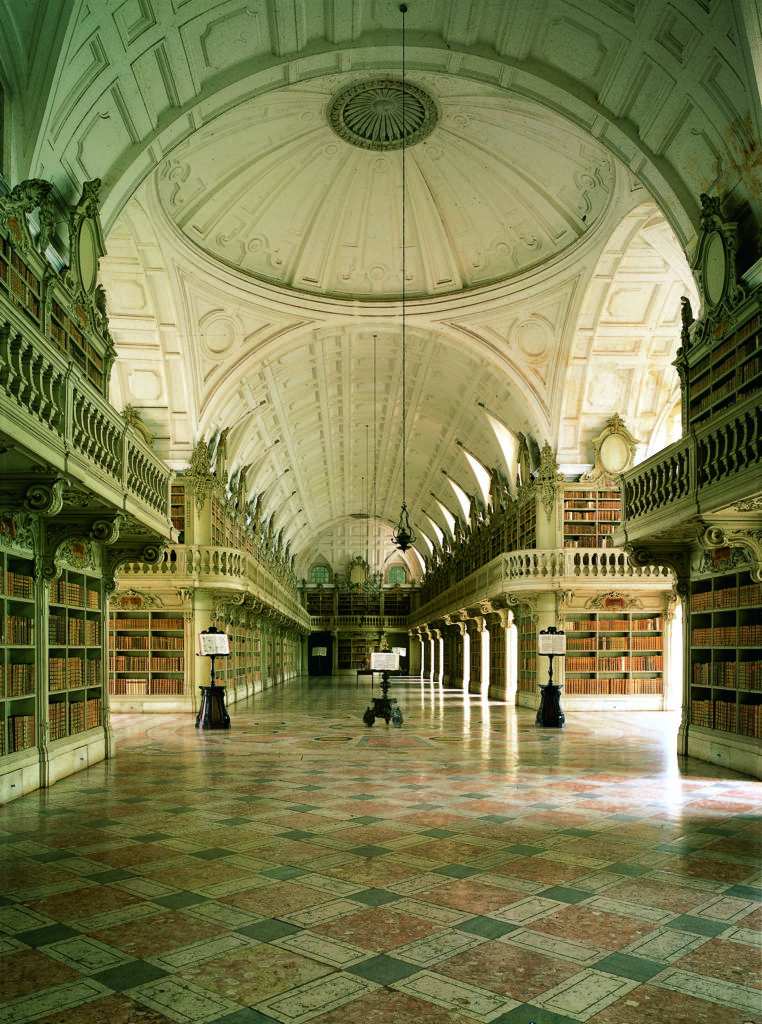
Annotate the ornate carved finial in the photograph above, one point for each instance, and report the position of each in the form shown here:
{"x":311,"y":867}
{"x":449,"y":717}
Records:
{"x":710,"y":209}
{"x":548,"y":478}
{"x":686,"y":316}
{"x":199,"y":473}
{"x":132,"y":416}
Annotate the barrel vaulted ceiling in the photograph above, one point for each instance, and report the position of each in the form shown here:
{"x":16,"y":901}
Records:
{"x":254,"y":267}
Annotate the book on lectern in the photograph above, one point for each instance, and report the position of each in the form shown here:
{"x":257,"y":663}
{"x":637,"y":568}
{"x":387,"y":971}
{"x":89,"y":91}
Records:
{"x":213,"y":643}
{"x":551,"y":643}
{"x":384,"y":661}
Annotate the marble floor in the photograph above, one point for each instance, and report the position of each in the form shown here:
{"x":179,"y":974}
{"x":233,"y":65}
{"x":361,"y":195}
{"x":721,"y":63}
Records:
{"x":464,"y":868}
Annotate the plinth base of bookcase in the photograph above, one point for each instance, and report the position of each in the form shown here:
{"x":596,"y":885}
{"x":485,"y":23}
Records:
{"x":740,"y":753}
{"x":142,"y":704}
{"x":597,"y":702}
{"x":25,"y":771}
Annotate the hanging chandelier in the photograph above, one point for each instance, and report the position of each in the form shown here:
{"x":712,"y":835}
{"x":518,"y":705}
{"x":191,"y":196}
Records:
{"x":404,"y":537}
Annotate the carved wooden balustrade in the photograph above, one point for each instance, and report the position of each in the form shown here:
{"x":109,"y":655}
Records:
{"x":536,"y":569}
{"x":61,"y":418}
{"x":696,"y":475}
{"x":222,"y":569}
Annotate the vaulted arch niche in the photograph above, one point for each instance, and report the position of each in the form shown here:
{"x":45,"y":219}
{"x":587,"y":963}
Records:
{"x":627,"y":337}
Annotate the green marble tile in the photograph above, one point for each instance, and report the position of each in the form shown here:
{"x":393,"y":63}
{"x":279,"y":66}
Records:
{"x":178,"y":900}
{"x":285,"y":873}
{"x":697,"y":925}
{"x":45,"y":936}
{"x":213,"y":854}
{"x":268,"y":929}
{"x":564,"y":894}
{"x":457,"y":871}
{"x":126,"y":976}
{"x":115,"y":875}
{"x":634,"y":967}
{"x":744,"y":892}
{"x":384,"y":970}
{"x":622,"y":868}
{"x":528,"y":1014}
{"x":368,"y":851}
{"x":374,"y":897}
{"x":487,"y":927}
{"x":245,"y":1016}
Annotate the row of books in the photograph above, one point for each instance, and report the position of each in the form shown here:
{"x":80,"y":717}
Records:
{"x":654,"y":624}
{"x":747,"y":675}
{"x":124,"y":663}
{"x":618,"y":687}
{"x":17,"y":585}
{"x":20,"y":732}
{"x":146,"y":643}
{"x":167,"y":686}
{"x":624,"y":663}
{"x":143,"y":624}
{"x":714,"y":714}
{"x":20,"y":630}
{"x":68,"y":592}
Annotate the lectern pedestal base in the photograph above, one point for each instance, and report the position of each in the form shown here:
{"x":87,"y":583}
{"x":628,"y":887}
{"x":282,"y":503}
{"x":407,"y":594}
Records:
{"x":212,"y":714}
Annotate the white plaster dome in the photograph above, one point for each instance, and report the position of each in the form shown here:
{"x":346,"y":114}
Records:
{"x":495,"y":185}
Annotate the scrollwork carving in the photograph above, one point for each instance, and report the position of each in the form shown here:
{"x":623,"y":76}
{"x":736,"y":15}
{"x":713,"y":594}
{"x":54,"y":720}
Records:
{"x":45,"y":499}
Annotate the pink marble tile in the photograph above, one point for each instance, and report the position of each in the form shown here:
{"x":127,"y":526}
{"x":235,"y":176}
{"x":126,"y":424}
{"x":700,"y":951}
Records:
{"x":473,"y":897}
{"x":593,"y":927}
{"x":386,"y":1006}
{"x":537,"y":869}
{"x":377,"y":929}
{"x":277,"y":898}
{"x":112,"y":1009}
{"x":508,"y":970}
{"x":150,"y":936}
{"x":648,"y":1004}
{"x":70,"y":906}
{"x":250,"y":975}
{"x":30,"y":970}
{"x":730,"y":961}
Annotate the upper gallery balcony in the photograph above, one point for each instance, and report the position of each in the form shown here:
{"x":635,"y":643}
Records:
{"x":527,"y":572}
{"x":59,"y":431}
{"x":710,"y":478}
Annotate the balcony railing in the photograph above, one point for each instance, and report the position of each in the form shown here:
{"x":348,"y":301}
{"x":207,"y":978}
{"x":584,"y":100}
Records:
{"x":58,"y":415}
{"x":532,"y":570}
{"x":699,"y":473}
{"x":224,"y":569}
{"x":326,"y":623}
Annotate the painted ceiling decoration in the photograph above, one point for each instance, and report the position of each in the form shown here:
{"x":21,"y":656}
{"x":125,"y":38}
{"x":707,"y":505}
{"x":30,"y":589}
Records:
{"x":250,"y":160}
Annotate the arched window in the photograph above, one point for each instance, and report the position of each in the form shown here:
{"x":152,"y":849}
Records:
{"x":320,"y":574}
{"x":397,"y":574}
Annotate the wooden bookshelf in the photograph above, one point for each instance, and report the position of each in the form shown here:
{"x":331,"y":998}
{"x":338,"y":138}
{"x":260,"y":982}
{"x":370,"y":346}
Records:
{"x":614,"y":654}
{"x":527,"y":681}
{"x":19,"y":282}
{"x":731,"y":371}
{"x":590,"y":516}
{"x":353,"y":652}
{"x":177,"y":509}
{"x":726,"y":653}
{"x":146,"y":653}
{"x":320,"y":601}
{"x":75,"y":646}
{"x":18,"y":666}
